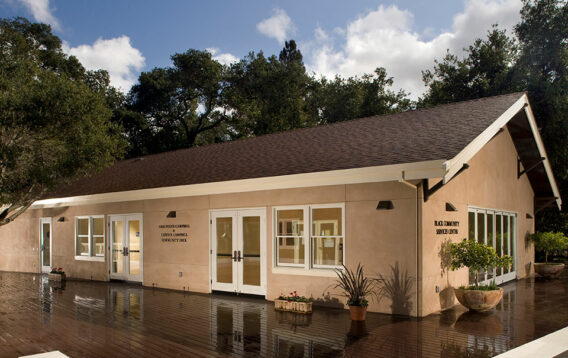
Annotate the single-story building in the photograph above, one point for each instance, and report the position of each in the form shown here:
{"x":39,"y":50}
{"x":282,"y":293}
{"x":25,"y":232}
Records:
{"x":280,"y":212}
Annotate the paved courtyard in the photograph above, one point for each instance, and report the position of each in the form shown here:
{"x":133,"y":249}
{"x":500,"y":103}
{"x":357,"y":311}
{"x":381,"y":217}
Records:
{"x":99,"y":319}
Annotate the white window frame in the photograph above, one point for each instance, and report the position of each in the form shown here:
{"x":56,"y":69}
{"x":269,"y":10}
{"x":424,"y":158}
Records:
{"x":90,"y":256}
{"x":307,"y":235}
{"x":342,"y":234}
{"x":304,"y":235}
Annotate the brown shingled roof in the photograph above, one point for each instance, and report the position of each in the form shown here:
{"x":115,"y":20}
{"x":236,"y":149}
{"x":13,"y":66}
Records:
{"x":428,"y":134}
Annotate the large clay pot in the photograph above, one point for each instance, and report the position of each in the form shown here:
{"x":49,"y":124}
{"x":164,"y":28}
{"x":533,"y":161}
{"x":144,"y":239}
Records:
{"x":358,"y":313}
{"x":548,"y":270}
{"x":479,"y":300}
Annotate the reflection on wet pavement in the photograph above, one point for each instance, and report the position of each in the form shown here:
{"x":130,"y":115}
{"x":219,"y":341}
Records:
{"x":100,"y":319}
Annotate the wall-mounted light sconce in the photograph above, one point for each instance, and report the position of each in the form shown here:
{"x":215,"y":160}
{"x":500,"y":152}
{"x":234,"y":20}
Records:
{"x":171,"y":214}
{"x":529,"y":216}
{"x":450,"y":207}
{"x":385,"y":205}
{"x":61,"y":219}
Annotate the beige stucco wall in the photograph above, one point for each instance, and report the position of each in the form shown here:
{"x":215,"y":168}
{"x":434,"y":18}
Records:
{"x":377,"y":239}
{"x":490,"y":182}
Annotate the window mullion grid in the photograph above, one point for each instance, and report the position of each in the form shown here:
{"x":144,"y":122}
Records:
{"x":308,"y":260}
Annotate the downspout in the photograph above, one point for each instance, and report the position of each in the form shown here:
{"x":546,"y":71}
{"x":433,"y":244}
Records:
{"x":418,"y":245}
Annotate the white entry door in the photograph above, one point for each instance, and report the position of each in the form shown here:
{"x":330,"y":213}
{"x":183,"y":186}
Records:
{"x":46,"y":244}
{"x":126,"y":247}
{"x":238,"y":251}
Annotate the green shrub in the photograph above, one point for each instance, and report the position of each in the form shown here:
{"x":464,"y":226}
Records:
{"x":476,"y":256}
{"x":549,"y":242}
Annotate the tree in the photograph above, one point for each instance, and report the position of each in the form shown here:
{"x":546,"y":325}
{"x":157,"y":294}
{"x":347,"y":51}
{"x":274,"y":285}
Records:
{"x":354,"y":97}
{"x":486,"y":71}
{"x":179,"y":103}
{"x":269,"y":95}
{"x":54,"y":117}
{"x":476,"y":256}
{"x":543,"y":37}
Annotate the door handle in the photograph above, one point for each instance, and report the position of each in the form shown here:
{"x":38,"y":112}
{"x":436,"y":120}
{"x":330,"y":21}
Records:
{"x":239,"y":257}
{"x":127,"y":251}
{"x":234,"y":256}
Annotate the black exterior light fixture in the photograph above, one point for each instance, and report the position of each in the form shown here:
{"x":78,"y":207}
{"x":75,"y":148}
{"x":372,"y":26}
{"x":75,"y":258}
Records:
{"x":385,"y":205}
{"x":171,"y":214}
{"x":61,"y":219}
{"x":529,"y":216}
{"x":450,"y":207}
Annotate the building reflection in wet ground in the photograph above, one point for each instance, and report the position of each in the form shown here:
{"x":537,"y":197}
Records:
{"x":97,"y":319}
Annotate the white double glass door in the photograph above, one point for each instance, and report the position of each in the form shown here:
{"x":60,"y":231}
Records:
{"x":45,"y":242}
{"x":126,"y":247}
{"x":238,"y":251}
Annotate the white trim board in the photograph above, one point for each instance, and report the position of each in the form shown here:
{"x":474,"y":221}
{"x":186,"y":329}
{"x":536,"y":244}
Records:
{"x":545,"y":347}
{"x":412,"y":171}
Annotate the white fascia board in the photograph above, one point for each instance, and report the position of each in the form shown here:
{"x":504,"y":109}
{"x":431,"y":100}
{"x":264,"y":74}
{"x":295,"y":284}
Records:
{"x":412,"y":171}
{"x":542,"y":152}
{"x":453,"y":165}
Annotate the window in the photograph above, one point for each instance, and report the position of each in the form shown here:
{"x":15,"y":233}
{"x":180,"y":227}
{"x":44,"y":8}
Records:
{"x":290,"y":237}
{"x":497,"y":229}
{"x":324,"y":229}
{"x":90,"y":236}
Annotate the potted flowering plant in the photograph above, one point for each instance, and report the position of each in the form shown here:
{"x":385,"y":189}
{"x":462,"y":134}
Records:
{"x":477,"y":257}
{"x":57,"y":274}
{"x":293,"y":303}
{"x":550,"y":243}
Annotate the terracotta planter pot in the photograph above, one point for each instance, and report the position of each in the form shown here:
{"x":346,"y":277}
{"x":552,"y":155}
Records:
{"x":548,"y":270}
{"x":357,"y":313}
{"x":478,"y":300}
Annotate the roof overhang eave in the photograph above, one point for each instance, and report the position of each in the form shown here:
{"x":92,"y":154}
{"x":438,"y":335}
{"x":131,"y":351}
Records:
{"x":453,"y":165}
{"x":384,"y":173}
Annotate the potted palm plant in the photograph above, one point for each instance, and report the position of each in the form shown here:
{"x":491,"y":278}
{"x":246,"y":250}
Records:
{"x":550,"y":243}
{"x":356,"y":287}
{"x":477,"y":257}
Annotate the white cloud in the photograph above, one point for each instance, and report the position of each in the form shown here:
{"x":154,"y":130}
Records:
{"x":279,"y":26}
{"x":116,"y":55}
{"x":385,"y":38}
{"x":222,"y":58}
{"x":41,"y":12}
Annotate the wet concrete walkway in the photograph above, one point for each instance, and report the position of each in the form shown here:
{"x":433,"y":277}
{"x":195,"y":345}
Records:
{"x":98,"y":319}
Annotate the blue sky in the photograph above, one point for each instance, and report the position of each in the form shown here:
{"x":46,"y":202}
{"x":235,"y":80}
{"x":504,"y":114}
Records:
{"x":336,"y":37}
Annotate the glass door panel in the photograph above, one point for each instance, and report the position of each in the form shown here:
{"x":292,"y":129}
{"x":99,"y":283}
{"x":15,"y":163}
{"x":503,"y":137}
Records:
{"x":45,"y":244}
{"x":513,"y":240}
{"x":117,"y":261}
{"x":498,"y":239}
{"x":134,"y":247}
{"x":490,"y":241}
{"x":224,"y":240}
{"x":251,"y":250}
{"x":506,"y":239}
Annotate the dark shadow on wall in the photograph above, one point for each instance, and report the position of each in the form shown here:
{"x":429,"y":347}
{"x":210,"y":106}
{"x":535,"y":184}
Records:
{"x":446,"y":295}
{"x":397,"y":288}
{"x":445,"y":258}
{"x":326,"y":301}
